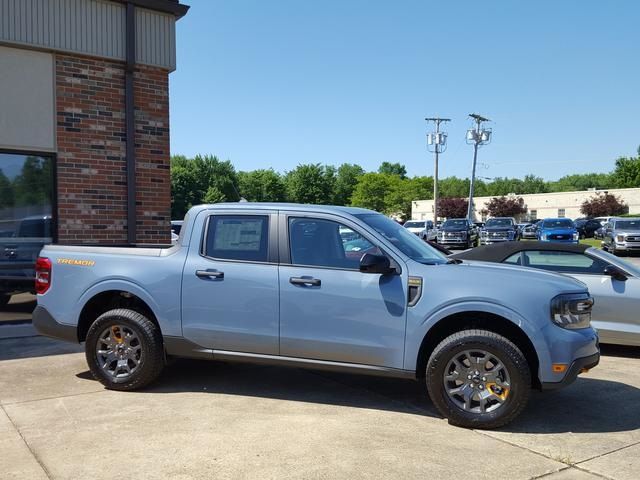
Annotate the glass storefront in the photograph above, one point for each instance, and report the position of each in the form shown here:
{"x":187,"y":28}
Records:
{"x":26,"y":224}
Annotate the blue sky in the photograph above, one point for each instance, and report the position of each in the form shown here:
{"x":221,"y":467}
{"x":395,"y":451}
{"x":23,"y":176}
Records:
{"x":281,"y":82}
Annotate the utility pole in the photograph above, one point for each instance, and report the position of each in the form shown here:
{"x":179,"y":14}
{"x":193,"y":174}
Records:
{"x":476,"y":136}
{"x":437,"y":141}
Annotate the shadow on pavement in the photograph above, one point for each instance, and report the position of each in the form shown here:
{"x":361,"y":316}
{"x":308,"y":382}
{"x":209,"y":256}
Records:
{"x":620,"y":351}
{"x":27,"y":347}
{"x":587,"y":406}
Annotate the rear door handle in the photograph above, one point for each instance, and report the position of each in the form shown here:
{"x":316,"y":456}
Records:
{"x":209,"y":274}
{"x":314,"y":282}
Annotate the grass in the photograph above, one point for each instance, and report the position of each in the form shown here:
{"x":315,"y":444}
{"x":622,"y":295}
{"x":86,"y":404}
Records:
{"x":593,"y":242}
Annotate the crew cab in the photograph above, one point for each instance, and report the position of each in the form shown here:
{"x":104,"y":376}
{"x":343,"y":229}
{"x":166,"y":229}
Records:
{"x":458,"y":232}
{"x":499,"y":229}
{"x":320,"y":287}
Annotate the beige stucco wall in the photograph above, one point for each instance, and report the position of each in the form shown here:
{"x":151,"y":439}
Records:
{"x":544,"y":204}
{"x":27,"y":112}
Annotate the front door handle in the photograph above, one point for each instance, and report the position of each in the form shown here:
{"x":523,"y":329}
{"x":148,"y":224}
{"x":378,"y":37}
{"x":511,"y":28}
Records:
{"x":209,"y":274}
{"x":314,"y":282}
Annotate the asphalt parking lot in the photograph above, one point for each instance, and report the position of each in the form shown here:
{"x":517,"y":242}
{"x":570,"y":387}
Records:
{"x":218,"y":420}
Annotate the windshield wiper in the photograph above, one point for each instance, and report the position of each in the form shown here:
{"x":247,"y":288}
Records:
{"x":454,"y":260}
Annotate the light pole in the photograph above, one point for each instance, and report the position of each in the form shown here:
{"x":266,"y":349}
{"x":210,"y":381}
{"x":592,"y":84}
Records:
{"x":436,"y":143}
{"x":476,"y":136}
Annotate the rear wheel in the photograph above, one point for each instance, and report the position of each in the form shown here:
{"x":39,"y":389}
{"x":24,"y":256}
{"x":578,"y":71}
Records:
{"x":478,"y":379}
{"x":124,"y":350}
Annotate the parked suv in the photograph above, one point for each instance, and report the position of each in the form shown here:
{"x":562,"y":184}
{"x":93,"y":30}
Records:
{"x":320,"y":287}
{"x":587,"y":227}
{"x":18,"y":253}
{"x":622,"y":235}
{"x":499,"y":229}
{"x":557,"y":230}
{"x":458,"y":232}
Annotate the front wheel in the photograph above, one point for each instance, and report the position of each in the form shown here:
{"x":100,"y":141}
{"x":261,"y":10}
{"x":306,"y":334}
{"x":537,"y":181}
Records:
{"x":124,"y":350}
{"x":478,"y":379}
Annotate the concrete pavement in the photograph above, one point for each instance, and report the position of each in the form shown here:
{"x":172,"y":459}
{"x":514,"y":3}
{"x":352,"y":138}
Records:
{"x":217,"y":420}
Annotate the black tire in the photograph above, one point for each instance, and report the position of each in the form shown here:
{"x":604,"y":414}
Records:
{"x":496,"y":345}
{"x":4,"y":299}
{"x":151,"y":359}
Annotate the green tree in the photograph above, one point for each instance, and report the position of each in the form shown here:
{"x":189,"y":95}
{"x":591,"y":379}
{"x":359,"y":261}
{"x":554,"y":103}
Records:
{"x":401,"y":194}
{"x":311,"y":183}
{"x":581,"y":181}
{"x":6,"y":191}
{"x":191,"y":180}
{"x":214,"y":195}
{"x":388,"y":168}
{"x":372,"y":190}
{"x":347,"y":177}
{"x":262,"y":186}
{"x":453,"y":187}
{"x":34,"y":185}
{"x":627,"y":172}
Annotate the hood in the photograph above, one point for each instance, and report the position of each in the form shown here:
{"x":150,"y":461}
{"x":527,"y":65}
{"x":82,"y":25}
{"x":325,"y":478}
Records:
{"x":453,"y":228}
{"x":527,"y":278}
{"x":499,"y":229}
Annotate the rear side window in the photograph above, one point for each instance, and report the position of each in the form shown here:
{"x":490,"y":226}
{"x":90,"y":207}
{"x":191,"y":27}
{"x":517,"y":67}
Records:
{"x":238,"y":237}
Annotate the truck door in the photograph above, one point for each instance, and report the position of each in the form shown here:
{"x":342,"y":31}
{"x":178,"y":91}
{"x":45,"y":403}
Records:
{"x":329,"y":310}
{"x":230,"y":282}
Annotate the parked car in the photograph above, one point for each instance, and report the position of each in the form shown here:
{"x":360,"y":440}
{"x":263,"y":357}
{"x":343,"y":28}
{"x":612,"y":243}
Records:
{"x":272,"y":283}
{"x":499,"y":229}
{"x":557,"y":230}
{"x":621,"y":235}
{"x":176,"y":226}
{"x":614,"y":283}
{"x":587,"y":227}
{"x":529,"y":232}
{"x":20,"y":251}
{"x":423,"y":228}
{"x":458,"y":232}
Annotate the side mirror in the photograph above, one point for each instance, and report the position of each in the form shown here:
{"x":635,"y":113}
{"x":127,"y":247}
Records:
{"x":615,"y":272}
{"x":370,"y":263}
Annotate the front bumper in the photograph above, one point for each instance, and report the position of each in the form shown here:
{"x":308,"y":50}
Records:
{"x":628,"y":246}
{"x":577,"y":366}
{"x":46,"y":325}
{"x":489,"y":241}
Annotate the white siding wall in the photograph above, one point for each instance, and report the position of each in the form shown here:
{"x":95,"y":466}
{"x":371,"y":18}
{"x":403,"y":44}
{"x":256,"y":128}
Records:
{"x":545,"y":204}
{"x":88,"y":27}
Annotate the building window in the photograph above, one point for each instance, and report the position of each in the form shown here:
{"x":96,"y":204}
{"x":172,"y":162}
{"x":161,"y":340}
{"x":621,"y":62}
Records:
{"x":561,"y":213}
{"x":533,"y":215}
{"x":26,"y":206}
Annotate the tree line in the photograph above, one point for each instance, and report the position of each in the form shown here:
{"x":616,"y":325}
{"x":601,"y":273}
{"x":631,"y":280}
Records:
{"x":207,"y":179}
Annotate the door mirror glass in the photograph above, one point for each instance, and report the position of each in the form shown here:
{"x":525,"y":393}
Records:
{"x":615,"y":272}
{"x":371,"y":263}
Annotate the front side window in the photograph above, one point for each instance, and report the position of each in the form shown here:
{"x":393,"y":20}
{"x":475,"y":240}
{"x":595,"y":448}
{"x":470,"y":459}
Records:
{"x":238,"y":237}
{"x":558,"y":261}
{"x":408,"y":243}
{"x":324,"y":243}
{"x":414,"y":225}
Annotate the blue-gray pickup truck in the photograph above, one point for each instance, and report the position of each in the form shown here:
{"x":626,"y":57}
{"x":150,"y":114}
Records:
{"x":320,"y":287}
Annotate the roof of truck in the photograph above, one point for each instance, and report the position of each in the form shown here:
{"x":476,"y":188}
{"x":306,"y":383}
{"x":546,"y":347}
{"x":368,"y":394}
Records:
{"x":303,"y":207}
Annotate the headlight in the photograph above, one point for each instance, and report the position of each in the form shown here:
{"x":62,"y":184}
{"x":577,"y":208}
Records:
{"x":572,"y":310}
{"x":620,"y":238}
{"x":483,"y":234}
{"x":576,"y":236}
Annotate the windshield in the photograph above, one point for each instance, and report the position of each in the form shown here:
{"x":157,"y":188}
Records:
{"x":403,"y":240}
{"x":628,"y":225}
{"x":559,"y":223}
{"x":414,"y":225}
{"x":499,"y":222}
{"x":455,"y":223}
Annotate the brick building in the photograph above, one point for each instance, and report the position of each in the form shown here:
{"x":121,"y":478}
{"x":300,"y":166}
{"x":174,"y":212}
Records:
{"x":84,"y":118}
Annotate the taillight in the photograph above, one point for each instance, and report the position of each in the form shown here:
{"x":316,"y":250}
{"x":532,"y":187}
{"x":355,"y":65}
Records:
{"x":43,"y":275}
